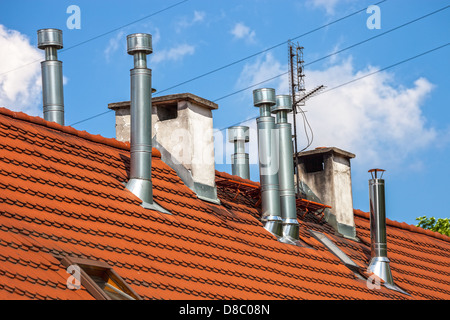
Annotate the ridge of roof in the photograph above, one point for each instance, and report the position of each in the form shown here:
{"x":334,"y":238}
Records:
{"x":405,"y":226}
{"x":358,"y":212}
{"x":72,"y":131}
{"x":225,"y":175}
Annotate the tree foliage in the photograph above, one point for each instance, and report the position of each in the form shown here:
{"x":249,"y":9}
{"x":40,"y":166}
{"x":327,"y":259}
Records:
{"x":439,"y":225}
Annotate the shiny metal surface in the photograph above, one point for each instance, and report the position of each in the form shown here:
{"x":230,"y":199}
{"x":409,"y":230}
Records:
{"x":268,"y":161}
{"x":140,"y":182}
{"x":139,"y":43}
{"x":286,"y":168}
{"x":379,"y":263}
{"x":240,"y":166}
{"x":50,"y":40}
{"x":264,"y":96}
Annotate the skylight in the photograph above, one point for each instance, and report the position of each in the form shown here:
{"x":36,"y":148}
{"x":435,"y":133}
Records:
{"x":100,"y":280}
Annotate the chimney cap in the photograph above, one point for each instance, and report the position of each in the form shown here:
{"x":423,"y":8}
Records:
{"x":238,"y":133}
{"x":264,"y":96}
{"x":50,"y":38}
{"x":139,"y":42}
{"x":324,"y":150}
{"x":374,"y":173}
{"x":284,"y":103}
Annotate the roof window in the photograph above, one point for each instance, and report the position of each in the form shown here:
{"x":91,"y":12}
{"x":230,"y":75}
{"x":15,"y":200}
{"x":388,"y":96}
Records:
{"x":100,"y":279}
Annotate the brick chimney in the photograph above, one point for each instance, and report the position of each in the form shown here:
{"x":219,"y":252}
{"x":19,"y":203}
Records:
{"x":183,"y":133}
{"x":325,"y":176}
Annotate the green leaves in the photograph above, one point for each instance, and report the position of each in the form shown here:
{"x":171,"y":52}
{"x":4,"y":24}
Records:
{"x":440,"y":225}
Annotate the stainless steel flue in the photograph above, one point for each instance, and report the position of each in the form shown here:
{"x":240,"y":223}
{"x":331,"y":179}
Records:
{"x":379,"y":263}
{"x":50,"y":40}
{"x":140,"y":45}
{"x":286,"y":171}
{"x":268,"y":161}
{"x":239,"y":135}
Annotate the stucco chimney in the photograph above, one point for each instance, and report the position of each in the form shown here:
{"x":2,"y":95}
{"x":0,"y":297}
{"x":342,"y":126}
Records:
{"x":183,"y":133}
{"x":327,"y":174}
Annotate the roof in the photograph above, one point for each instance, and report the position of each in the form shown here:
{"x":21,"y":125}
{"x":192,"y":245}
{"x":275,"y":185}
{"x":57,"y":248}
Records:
{"x":63,"y":196}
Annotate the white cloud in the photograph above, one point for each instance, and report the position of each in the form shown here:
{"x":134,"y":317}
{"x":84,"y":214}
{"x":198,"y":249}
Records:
{"x":382,"y":123}
{"x":328,"y":5}
{"x":184,"y":23}
{"x":241,"y":31}
{"x":173,"y":54}
{"x":265,"y":67}
{"x":113,"y":45}
{"x":20,"y":88}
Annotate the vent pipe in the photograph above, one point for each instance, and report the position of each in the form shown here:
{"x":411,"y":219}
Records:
{"x":379,"y":263}
{"x":140,"y":45}
{"x":50,"y":40}
{"x":286,"y":170}
{"x":239,"y":135}
{"x":264,"y":99}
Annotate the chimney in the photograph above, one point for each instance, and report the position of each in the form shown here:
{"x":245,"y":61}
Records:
{"x":183,"y":133}
{"x":140,"y":184}
{"x":50,"y":40}
{"x":264,"y":99}
{"x":379,"y":263}
{"x":325,"y":175}
{"x":239,"y":135}
{"x":286,"y":169}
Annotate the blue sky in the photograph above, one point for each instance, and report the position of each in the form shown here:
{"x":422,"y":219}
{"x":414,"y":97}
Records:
{"x":395,"y":119}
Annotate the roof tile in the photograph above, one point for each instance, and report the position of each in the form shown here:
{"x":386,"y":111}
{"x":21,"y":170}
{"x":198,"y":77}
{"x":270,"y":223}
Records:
{"x":63,"y":195}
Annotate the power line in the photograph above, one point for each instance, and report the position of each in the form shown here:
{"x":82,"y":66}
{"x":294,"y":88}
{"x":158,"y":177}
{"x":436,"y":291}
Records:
{"x":356,"y":79}
{"x":285,"y":73}
{"x":265,"y":50}
{"x":102,"y":35}
{"x":339,"y":51}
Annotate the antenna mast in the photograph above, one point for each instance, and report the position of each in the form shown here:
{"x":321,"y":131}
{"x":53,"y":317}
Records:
{"x":299,"y":96}
{"x":297,"y":88}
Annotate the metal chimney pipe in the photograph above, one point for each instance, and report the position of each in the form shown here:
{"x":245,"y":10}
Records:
{"x":140,"y":45}
{"x":239,"y":135}
{"x":268,"y":161}
{"x":286,"y":171}
{"x":379,"y":263}
{"x":50,"y":40}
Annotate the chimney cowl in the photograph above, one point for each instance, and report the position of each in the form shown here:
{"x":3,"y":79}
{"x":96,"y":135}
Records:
{"x":264,"y":96}
{"x":379,"y":263}
{"x":238,"y":133}
{"x":284,"y":103}
{"x":50,"y":40}
{"x":291,"y":227}
{"x":139,"y":43}
{"x":268,"y":161}
{"x":240,"y":166}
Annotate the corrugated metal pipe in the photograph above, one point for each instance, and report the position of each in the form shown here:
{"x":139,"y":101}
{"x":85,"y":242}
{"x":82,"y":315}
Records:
{"x":286,"y":169}
{"x":51,"y":41}
{"x":379,"y":263}
{"x":264,"y":99}
{"x":239,"y":135}
{"x":140,"y":45}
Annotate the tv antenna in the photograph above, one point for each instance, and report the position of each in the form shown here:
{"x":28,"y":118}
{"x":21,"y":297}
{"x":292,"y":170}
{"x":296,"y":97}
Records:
{"x":299,"y":97}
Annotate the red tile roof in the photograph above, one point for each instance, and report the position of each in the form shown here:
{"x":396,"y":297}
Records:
{"x":63,"y":195}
